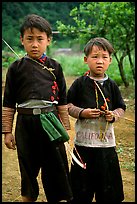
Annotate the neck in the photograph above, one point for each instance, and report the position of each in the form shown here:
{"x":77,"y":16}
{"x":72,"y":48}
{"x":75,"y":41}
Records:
{"x":100,"y":79}
{"x":97,"y":77}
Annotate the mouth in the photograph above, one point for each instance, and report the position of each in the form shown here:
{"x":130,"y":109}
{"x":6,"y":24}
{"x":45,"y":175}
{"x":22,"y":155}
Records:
{"x":34,"y":51}
{"x":99,"y":67}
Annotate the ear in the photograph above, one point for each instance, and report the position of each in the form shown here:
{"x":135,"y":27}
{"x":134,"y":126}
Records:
{"x":21,"y":39}
{"x":110,"y":60}
{"x":85,"y":59}
{"x":49,"y":41}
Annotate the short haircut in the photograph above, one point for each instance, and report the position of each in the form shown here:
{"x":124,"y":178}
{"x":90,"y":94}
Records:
{"x":34,"y":21}
{"x":99,"y":42}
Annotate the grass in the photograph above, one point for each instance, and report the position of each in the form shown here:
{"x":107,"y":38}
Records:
{"x":129,"y":154}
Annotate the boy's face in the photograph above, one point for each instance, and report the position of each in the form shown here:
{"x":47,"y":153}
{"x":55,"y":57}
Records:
{"x":35,"y":42}
{"x":98,"y":61}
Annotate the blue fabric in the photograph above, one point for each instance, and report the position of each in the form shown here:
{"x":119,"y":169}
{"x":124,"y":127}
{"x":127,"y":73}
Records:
{"x":42,"y":59}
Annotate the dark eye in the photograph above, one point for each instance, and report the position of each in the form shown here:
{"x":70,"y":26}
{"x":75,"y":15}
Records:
{"x":29,"y":39}
{"x":105,"y":57}
{"x":39,"y":39}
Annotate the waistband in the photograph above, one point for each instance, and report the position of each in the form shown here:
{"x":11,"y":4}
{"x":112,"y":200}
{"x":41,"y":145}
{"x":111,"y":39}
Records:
{"x":36,"y":111}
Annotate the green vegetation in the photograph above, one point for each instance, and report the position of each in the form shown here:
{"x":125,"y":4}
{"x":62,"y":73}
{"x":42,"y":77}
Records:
{"x":128,"y":152}
{"x":73,"y":65}
{"x":13,"y":14}
{"x":112,"y":20}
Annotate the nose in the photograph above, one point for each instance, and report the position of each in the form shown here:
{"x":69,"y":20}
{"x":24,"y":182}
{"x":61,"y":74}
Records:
{"x":34,"y":43}
{"x":100,"y":60}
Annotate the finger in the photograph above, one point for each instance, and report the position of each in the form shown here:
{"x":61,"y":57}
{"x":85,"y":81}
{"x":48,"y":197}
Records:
{"x":95,"y":115}
{"x":9,"y":146}
{"x":13,"y":145}
{"x":96,"y":111}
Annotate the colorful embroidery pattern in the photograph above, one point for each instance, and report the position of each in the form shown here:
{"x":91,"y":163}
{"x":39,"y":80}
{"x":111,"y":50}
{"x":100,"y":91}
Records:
{"x":55,"y":89}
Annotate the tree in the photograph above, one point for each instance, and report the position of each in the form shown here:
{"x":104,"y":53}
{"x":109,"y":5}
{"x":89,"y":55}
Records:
{"x":13,"y":14}
{"x":112,"y":20}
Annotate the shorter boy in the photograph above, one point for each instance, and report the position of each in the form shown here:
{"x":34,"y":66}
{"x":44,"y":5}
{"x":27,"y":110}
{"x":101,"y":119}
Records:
{"x":95,"y":100}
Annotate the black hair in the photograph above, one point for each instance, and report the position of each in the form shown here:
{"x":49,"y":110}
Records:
{"x":99,"y":42}
{"x":34,"y":21}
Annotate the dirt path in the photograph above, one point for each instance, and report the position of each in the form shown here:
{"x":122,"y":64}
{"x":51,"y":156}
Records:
{"x":125,"y":139}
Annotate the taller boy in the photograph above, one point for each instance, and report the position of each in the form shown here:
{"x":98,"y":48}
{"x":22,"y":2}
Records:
{"x":35,"y":84}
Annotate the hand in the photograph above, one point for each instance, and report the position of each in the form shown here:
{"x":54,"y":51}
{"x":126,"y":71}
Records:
{"x":9,"y":141}
{"x":90,"y":113}
{"x":109,"y":115}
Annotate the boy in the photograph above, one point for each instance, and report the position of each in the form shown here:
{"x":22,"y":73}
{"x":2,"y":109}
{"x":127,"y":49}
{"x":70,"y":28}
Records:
{"x":95,"y":100}
{"x":35,"y":85}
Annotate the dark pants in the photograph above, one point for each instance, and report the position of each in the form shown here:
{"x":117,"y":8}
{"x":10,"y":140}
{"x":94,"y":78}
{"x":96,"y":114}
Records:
{"x":35,"y":152}
{"x":102,"y":177}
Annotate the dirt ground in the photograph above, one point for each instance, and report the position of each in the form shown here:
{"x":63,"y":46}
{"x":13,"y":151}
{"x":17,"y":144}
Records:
{"x":125,"y":139}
